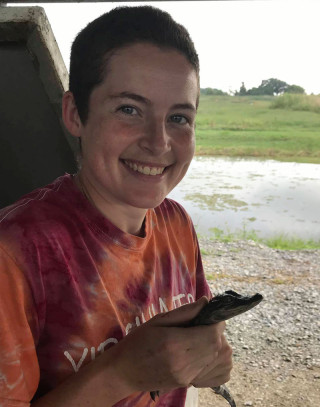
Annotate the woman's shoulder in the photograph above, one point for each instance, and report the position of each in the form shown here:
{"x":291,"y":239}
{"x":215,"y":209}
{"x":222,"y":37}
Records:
{"x":172,"y":207}
{"x":34,"y":210}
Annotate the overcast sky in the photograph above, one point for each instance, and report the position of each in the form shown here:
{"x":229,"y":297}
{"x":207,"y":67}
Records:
{"x":237,"y":41}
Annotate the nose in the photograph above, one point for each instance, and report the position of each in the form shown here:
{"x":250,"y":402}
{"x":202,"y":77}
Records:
{"x":156,"y":139}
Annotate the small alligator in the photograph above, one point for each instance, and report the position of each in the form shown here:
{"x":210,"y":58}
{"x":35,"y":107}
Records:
{"x":220,"y":308}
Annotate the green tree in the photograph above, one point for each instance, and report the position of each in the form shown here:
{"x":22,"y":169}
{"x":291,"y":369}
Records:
{"x":254,"y":92}
{"x":272,"y":86}
{"x":212,"y":91}
{"x":243,"y":90}
{"x":295,"y":89}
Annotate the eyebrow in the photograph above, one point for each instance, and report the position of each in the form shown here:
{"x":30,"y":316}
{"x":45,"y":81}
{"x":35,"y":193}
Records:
{"x":133,"y":96}
{"x":184,"y":106}
{"x":146,"y":101}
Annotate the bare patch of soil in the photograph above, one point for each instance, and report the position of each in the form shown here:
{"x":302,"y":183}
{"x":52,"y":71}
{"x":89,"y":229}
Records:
{"x":277,"y":344}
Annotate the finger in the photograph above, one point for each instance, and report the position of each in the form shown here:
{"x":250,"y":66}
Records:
{"x":219,"y":368}
{"x":209,"y":371}
{"x":212,"y":381}
{"x":180,"y":316}
{"x":216,"y":376}
{"x":218,"y":329}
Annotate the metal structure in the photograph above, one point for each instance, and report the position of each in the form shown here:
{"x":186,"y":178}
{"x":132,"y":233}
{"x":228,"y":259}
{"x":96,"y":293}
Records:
{"x":34,"y":146}
{"x":95,"y":1}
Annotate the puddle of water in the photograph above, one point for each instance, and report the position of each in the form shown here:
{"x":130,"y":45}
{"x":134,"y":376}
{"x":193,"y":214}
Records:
{"x":217,"y":202}
{"x":269,"y":197}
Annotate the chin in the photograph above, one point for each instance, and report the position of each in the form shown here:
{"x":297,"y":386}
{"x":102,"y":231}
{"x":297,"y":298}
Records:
{"x":147,"y":203}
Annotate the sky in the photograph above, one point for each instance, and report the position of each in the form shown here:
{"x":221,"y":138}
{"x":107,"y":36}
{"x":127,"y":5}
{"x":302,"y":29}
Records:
{"x":237,"y":41}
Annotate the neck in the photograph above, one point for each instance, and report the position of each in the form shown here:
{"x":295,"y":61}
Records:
{"x":128,"y":219}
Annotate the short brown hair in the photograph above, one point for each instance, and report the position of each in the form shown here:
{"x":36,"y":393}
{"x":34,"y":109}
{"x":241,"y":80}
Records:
{"x":120,"y":27}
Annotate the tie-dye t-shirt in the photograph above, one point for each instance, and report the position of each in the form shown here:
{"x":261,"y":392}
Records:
{"x":72,"y":285}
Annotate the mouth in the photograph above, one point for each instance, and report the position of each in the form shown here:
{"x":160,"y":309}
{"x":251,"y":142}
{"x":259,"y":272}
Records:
{"x":145,"y":169}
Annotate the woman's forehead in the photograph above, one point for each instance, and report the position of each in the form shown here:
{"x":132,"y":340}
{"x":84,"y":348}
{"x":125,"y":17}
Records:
{"x":150,"y":69}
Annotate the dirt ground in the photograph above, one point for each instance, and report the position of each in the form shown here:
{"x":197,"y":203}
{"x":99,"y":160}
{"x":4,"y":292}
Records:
{"x":253,"y":387}
{"x":276,"y":346}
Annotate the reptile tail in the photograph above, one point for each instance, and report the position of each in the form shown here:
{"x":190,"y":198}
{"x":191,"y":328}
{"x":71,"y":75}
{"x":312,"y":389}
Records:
{"x":225,"y":393}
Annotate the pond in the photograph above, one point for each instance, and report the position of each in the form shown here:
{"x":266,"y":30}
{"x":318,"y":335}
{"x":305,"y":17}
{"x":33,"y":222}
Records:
{"x":265,"y":196}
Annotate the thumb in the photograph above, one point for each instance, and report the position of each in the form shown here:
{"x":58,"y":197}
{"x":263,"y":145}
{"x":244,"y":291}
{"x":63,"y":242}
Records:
{"x":180,"y":316}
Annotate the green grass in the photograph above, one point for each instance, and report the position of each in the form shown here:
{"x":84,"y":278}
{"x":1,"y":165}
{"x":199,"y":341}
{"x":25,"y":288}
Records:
{"x":297,"y":102}
{"x":203,"y":252}
{"x":254,"y":127}
{"x":227,"y":236}
{"x":281,"y":241}
{"x":284,"y":243}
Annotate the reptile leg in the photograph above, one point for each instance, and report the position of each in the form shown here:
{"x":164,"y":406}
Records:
{"x":221,"y":390}
{"x":225,"y":393}
{"x":154,"y":394}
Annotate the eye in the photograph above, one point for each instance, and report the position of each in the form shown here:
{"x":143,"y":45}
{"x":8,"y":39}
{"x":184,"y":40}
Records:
{"x":176,"y":118}
{"x":129,"y":110}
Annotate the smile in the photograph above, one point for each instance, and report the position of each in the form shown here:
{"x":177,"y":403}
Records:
{"x":145,"y":169}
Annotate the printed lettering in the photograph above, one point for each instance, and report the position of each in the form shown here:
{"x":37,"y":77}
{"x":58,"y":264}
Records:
{"x":176,"y":301}
{"x":105,"y":343}
{"x":190,"y":298}
{"x":163,"y":307}
{"x":177,"y":298}
{"x":128,"y":328}
{"x":77,"y":366}
{"x":152,"y":312}
{"x":138,"y":323}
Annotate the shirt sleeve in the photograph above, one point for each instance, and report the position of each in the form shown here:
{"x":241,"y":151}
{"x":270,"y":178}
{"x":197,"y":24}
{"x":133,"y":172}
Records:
{"x":202,"y":287}
{"x":19,"y":368}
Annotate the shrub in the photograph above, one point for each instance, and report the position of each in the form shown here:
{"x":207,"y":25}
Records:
{"x":289,"y":101}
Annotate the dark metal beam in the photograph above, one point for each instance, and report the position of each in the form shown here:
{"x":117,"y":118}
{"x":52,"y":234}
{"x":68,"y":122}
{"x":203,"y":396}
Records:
{"x":94,"y":1}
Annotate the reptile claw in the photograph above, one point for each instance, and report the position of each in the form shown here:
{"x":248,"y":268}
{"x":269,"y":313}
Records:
{"x":154,"y":394}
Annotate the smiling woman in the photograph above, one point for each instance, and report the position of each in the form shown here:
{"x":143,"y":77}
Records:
{"x":87,"y":262}
{"x":144,"y":116}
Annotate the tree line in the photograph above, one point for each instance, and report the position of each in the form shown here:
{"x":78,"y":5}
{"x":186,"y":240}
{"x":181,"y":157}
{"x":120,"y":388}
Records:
{"x":269,"y":87}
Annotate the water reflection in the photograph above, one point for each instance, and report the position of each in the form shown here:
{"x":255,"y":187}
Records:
{"x":269,"y":197}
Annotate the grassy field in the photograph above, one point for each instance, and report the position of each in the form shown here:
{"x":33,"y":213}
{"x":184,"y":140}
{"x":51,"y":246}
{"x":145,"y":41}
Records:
{"x":284,"y":128}
{"x":282,"y":241}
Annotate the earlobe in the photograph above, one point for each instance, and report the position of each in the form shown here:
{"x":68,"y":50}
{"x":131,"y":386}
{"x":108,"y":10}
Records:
{"x":70,"y":114}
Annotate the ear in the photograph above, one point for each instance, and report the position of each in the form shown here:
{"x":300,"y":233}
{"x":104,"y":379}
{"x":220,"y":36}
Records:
{"x":70,"y":115}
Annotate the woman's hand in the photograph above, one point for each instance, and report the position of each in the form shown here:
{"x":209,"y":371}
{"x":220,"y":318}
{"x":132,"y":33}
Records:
{"x":164,"y":353}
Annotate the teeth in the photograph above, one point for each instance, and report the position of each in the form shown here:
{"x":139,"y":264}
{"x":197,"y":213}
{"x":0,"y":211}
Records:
{"x":145,"y":170}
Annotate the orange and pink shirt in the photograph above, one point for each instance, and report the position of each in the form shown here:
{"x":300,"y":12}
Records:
{"x":72,"y":285}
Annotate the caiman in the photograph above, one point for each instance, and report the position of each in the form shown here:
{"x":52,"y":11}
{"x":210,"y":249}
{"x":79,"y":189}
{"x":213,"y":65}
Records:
{"x":220,"y":308}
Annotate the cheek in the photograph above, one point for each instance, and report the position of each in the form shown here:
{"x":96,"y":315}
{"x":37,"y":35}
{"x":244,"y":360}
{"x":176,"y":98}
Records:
{"x":110,"y":137}
{"x":120,"y":133}
{"x":193,"y":146}
{"x":186,"y":148}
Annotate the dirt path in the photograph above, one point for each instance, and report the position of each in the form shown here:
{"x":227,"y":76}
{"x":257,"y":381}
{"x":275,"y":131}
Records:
{"x":276,"y":345}
{"x":254,"y":387}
